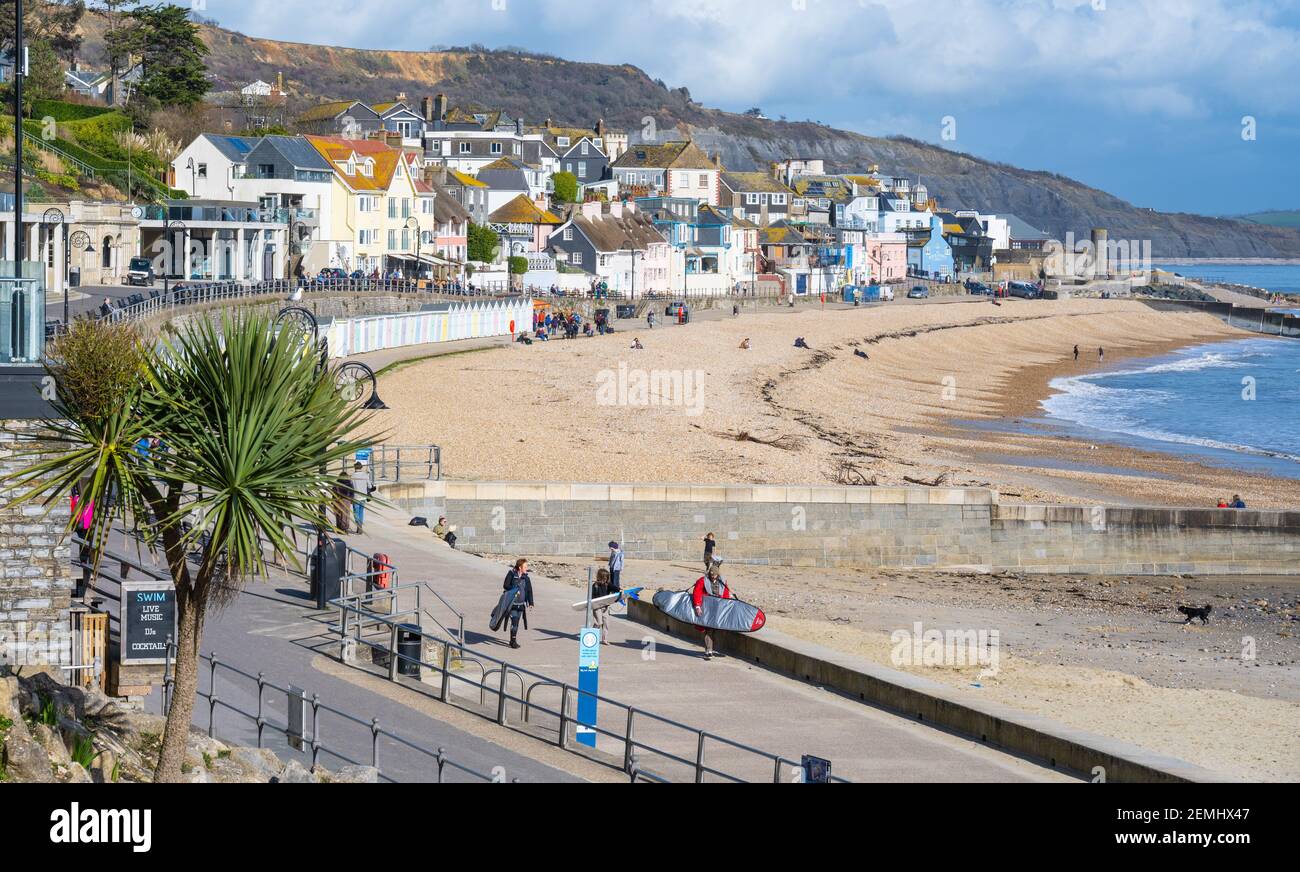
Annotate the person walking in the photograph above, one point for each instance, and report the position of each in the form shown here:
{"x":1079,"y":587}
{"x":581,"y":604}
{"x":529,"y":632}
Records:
{"x":1076,"y":354}
{"x":615,"y":567}
{"x":342,"y":501}
{"x":710,"y":584}
{"x":600,"y":616}
{"x":709,"y":541}
{"x":517,"y":580}
{"x":1101,"y":355}
{"x":361,"y":490}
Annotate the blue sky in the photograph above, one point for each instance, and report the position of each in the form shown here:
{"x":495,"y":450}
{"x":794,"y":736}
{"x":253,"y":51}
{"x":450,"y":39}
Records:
{"x":1147,"y":99}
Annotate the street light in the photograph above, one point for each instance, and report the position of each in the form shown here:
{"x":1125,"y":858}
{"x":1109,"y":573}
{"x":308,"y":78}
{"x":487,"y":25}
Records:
{"x":170,"y":253}
{"x":54,"y":217}
{"x":78,"y":239}
{"x":418,"y":234}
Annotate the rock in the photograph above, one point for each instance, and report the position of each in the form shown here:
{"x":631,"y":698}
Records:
{"x":260,"y":765}
{"x":51,"y":741}
{"x":201,"y":749}
{"x":356,"y":775}
{"x":77,"y":774}
{"x":10,"y":693}
{"x":197,"y":775}
{"x":69,"y":701}
{"x":294,"y":773}
{"x":24,"y":759}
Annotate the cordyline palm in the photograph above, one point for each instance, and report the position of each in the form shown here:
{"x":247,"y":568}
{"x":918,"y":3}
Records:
{"x":249,"y":423}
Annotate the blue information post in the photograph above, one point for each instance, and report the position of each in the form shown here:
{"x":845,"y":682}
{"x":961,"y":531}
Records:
{"x":588,"y":684}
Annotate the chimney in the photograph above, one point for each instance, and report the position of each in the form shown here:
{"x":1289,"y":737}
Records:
{"x":548,"y":124}
{"x":440,"y":107}
{"x":717,"y":159}
{"x":519,"y":126}
{"x":426,"y":108}
{"x":600,"y":127}
{"x":616,"y":209}
{"x":401,"y":96}
{"x":591,"y":211}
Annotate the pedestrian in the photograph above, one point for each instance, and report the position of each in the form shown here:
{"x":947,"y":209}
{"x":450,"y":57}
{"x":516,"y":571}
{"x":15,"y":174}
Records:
{"x":1076,"y":354}
{"x":361,"y":490}
{"x":342,"y":500}
{"x":445,"y":533}
{"x":1101,"y":355}
{"x":709,"y":542}
{"x":735,"y":310}
{"x":1238,"y":502}
{"x":600,"y":616}
{"x":517,"y":580}
{"x":650,"y":319}
{"x":615,"y":567}
{"x":710,"y":584}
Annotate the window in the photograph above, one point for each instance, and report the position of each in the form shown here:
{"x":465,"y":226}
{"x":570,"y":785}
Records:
{"x":518,"y":149}
{"x":568,"y":167}
{"x":406,"y":207}
{"x":704,"y":180}
{"x":436,"y":146}
{"x":582,"y":169}
{"x":203,"y":171}
{"x":568,"y":234}
{"x":392,"y":240}
{"x":586,"y":148}
{"x":751,"y":199}
{"x":600,"y":143}
{"x":465,"y":148}
{"x":496,"y":148}
{"x":577,"y":258}
{"x":392,"y":207}
{"x":406,"y":239}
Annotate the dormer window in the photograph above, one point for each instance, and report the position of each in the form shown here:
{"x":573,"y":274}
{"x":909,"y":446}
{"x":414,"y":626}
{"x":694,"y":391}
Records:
{"x":562,"y":141}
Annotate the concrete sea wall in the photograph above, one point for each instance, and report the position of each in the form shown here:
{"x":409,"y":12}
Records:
{"x":894,"y":528}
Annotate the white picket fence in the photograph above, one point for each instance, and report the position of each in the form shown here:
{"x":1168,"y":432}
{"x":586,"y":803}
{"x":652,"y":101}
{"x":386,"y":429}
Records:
{"x":448,"y":323}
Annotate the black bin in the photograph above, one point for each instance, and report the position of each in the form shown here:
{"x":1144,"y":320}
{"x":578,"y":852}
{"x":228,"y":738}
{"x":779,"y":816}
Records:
{"x":328,"y":565}
{"x":625,"y":310}
{"x":408,"y":650}
{"x":74,"y":278}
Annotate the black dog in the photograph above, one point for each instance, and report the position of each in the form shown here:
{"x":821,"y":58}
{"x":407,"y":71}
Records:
{"x":1192,"y":613}
{"x":862,"y":354}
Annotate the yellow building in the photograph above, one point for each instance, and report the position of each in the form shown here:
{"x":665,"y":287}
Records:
{"x":383,"y":213}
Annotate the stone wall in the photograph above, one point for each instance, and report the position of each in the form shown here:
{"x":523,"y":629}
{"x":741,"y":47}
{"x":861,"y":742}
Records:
{"x":36,"y":579}
{"x":895,"y":528}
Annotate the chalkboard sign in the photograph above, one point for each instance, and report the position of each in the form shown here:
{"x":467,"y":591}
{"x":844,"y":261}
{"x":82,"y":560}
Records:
{"x":148,"y":620}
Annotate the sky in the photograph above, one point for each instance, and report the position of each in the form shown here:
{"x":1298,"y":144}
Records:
{"x":1177,"y":105}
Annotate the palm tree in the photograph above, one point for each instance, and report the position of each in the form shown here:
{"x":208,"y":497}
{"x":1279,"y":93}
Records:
{"x":249,"y":423}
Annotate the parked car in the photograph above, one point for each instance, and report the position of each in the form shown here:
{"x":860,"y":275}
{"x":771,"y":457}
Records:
{"x":140,"y":272}
{"x":1023,"y":291}
{"x":918,"y":292}
{"x":980,"y":289}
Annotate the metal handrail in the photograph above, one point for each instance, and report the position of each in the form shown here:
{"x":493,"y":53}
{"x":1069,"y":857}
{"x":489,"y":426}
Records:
{"x":628,"y":737}
{"x":317,"y":745}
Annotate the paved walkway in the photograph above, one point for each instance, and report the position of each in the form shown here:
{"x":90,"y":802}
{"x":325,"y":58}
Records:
{"x":668,"y":677}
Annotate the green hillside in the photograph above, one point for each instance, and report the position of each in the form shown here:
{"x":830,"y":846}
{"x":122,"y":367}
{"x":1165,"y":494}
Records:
{"x":1274,"y":219}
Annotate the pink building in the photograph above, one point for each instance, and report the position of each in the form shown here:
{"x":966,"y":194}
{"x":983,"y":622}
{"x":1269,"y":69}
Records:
{"x":887,"y":257}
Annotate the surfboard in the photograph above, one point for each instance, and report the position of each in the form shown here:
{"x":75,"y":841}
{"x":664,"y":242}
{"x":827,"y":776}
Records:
{"x":716,"y":613}
{"x":502,"y":610}
{"x":601,"y":601}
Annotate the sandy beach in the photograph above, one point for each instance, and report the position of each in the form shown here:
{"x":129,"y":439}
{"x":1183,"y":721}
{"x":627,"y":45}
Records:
{"x":911,"y":412}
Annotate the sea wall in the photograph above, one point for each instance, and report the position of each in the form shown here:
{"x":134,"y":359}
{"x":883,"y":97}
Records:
{"x":881,"y":528}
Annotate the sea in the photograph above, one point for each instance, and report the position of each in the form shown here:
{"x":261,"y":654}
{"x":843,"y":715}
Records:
{"x":1281,"y":277}
{"x":1233,"y":404}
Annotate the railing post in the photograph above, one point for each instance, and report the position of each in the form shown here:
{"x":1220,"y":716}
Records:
{"x":392,"y":653}
{"x":564,"y":717}
{"x":212,"y":695}
{"x":446,"y":672}
{"x":627,"y":741}
{"x":699,"y":760}
{"x":315,"y":729}
{"x":501,"y":697}
{"x":374,"y":742}
{"x":261,"y":720}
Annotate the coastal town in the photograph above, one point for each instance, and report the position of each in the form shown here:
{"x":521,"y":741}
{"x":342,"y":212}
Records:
{"x":462,"y":415}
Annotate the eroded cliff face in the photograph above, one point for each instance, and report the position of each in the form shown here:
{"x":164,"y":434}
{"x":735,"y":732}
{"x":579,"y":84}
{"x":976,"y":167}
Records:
{"x":539,"y":87}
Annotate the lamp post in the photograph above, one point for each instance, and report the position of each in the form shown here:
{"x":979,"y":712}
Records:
{"x":194,"y":177}
{"x":53,"y":218}
{"x":507,"y":248}
{"x":19,"y":73}
{"x":170,"y":253}
{"x":414,"y":222}
{"x":80,"y":240}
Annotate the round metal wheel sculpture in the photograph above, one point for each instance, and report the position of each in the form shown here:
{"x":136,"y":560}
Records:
{"x":355,"y":382}
{"x":296,"y":317}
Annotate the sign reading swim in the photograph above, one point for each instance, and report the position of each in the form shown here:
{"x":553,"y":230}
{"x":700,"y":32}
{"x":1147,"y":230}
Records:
{"x":673,"y":388}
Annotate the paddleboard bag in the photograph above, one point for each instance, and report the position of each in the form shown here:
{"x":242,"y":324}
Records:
{"x":501,"y":613}
{"x":716,"y":613}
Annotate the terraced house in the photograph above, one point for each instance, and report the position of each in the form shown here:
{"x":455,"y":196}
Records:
{"x":762,"y":198}
{"x":380,"y":215}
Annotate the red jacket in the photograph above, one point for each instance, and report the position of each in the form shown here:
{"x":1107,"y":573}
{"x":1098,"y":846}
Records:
{"x":697,"y":593}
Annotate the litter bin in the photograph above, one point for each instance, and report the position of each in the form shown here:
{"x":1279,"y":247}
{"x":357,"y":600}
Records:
{"x":408,"y":650}
{"x":74,"y":278}
{"x":328,"y":565}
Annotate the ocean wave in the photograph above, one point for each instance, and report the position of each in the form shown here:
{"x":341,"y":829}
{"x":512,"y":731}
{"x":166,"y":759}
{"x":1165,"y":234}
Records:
{"x":1207,"y":360}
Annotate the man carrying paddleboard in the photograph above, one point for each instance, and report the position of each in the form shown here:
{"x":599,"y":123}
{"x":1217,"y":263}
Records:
{"x":710,"y":584}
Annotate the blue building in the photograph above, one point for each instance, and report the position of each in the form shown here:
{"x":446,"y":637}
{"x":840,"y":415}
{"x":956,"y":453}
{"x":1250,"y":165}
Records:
{"x":929,"y":254}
